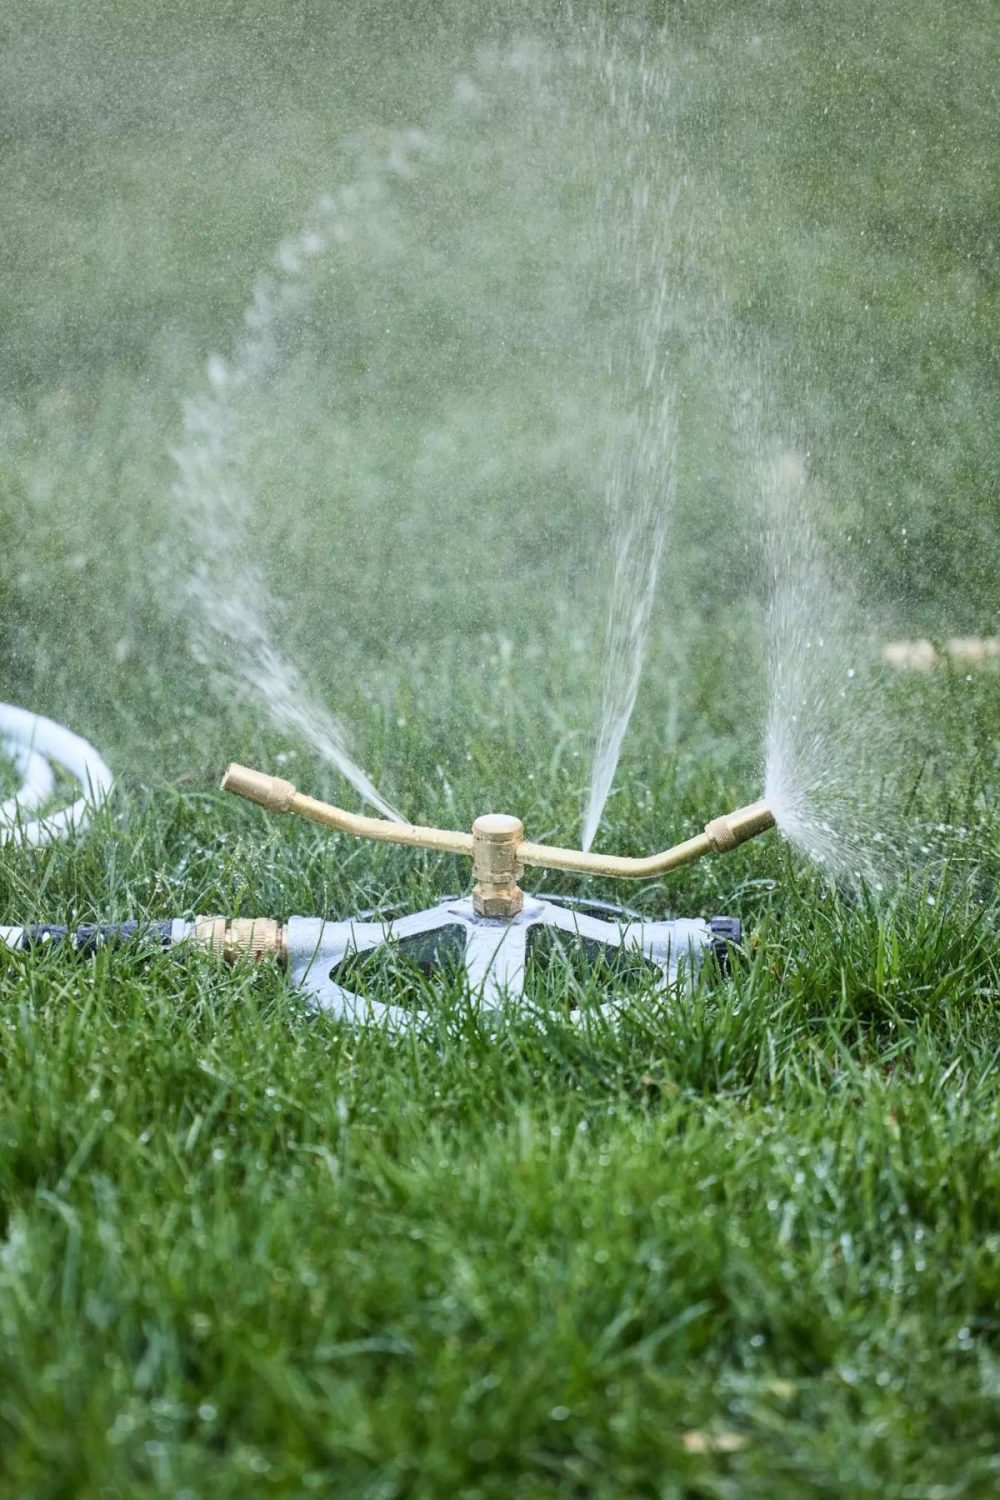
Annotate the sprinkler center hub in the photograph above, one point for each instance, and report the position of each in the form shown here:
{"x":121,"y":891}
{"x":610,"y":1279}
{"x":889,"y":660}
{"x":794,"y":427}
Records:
{"x":496,"y":838}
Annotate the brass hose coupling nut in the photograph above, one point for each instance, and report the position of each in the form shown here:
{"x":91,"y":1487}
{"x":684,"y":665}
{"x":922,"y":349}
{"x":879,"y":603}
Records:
{"x":243,"y":939}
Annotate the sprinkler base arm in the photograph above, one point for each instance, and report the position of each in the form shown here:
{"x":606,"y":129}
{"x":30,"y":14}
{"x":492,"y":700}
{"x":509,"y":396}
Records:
{"x":494,"y":952}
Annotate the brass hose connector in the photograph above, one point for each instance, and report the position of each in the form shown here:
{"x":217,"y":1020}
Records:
{"x":245,"y":938}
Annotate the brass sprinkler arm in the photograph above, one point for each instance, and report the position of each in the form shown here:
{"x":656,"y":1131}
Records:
{"x":496,"y":844}
{"x":276,"y":795}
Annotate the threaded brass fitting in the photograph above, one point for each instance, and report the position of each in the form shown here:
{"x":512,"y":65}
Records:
{"x":495,"y":841}
{"x":735,"y":828}
{"x":249,"y":939}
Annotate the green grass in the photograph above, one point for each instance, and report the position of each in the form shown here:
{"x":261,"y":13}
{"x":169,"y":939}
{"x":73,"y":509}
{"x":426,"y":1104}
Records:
{"x":741,"y":1244}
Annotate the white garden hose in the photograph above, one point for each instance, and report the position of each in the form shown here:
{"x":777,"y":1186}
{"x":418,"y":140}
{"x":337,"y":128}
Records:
{"x":35,"y":744}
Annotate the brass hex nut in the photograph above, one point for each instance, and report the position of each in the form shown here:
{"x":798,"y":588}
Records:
{"x":497,"y":903}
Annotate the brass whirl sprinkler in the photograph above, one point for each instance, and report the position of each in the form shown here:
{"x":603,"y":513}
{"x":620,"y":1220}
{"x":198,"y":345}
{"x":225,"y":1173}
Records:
{"x":496,"y":921}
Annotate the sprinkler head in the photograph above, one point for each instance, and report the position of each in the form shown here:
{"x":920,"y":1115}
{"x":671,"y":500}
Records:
{"x":497,"y":844}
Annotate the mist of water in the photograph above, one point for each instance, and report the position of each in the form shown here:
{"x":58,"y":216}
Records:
{"x":228,"y":602}
{"x":829,"y":744}
{"x":835,"y":756}
{"x":597,"y":92}
{"x":640,"y":490}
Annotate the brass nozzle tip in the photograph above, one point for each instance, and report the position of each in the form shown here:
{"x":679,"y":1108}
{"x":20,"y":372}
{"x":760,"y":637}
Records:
{"x":268,"y":791}
{"x":736,"y":827}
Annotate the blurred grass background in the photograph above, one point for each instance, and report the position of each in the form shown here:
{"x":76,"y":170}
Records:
{"x":837,"y":221}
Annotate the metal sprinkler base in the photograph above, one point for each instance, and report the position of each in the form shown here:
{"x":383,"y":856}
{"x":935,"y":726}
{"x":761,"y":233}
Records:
{"x":494,"y":952}
{"x":491,"y":952}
